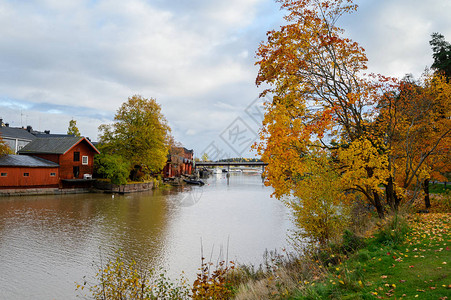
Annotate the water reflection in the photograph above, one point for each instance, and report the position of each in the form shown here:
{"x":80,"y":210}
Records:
{"x":48,"y":242}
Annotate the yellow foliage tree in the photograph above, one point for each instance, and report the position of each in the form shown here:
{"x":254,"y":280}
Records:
{"x":73,"y":129}
{"x":320,"y":97}
{"x":4,"y":148}
{"x":415,"y":123}
{"x":380,"y":131}
{"x":140,"y":134}
{"x":319,"y":207}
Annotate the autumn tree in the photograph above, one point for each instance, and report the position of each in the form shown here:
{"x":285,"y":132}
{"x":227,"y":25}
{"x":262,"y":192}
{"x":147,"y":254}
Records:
{"x":320,"y":99}
{"x":140,"y":134}
{"x":379,"y":131}
{"x":415,"y":123}
{"x":4,"y":148}
{"x":322,"y":212}
{"x":205,"y":157}
{"x":73,"y":129}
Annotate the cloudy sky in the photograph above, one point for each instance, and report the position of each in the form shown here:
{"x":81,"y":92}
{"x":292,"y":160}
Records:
{"x":81,"y":59}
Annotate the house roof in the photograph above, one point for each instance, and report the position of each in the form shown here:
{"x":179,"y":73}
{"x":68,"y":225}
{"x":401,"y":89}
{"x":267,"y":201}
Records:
{"x":16,"y":132}
{"x":25,"y":161}
{"x":53,"y":145}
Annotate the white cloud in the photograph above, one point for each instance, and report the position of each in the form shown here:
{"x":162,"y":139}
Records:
{"x":396,"y":34}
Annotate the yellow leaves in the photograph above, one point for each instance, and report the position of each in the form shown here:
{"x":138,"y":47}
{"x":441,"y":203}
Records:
{"x":140,"y":133}
{"x":364,"y":165}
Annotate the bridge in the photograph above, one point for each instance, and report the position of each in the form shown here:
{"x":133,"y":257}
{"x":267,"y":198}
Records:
{"x":230,"y":163}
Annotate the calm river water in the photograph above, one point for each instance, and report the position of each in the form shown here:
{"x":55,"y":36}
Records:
{"x":49,"y":242}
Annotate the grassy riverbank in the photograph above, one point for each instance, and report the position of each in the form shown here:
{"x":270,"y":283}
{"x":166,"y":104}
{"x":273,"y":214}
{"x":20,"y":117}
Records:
{"x":405,"y":257}
{"x":393,"y":265}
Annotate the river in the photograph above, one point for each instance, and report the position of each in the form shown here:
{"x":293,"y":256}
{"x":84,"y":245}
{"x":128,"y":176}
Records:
{"x":47,"y":243}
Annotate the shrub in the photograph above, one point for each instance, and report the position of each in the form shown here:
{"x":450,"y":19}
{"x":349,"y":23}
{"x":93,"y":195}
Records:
{"x":212,"y":281}
{"x":393,"y":231}
{"x":119,"y":280}
{"x":351,"y":242}
{"x":112,"y":167}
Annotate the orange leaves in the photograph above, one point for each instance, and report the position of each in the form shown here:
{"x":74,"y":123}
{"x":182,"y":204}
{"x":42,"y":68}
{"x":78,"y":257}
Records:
{"x":417,"y":131}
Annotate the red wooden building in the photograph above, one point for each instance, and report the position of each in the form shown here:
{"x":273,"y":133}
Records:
{"x":74,"y":155}
{"x":17,"y":171}
{"x":180,"y":161}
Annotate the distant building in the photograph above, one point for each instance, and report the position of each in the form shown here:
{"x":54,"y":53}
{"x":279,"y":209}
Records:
{"x":15,"y":137}
{"x":179,"y":162}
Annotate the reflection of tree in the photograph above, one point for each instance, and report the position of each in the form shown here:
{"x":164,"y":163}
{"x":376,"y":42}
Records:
{"x":73,"y":227}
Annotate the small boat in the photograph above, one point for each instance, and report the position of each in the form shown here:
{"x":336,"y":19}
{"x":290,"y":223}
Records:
{"x":194,"y":181}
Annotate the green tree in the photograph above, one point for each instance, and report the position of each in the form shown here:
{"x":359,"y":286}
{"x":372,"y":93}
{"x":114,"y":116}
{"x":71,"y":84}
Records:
{"x":73,"y":129}
{"x":112,"y":167}
{"x":441,"y":53}
{"x":4,"y":148}
{"x":140,"y":134}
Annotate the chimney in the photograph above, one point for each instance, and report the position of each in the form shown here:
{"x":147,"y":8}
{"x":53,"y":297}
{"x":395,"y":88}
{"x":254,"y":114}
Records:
{"x":29,"y":128}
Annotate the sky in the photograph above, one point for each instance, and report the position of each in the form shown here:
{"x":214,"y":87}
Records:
{"x":81,"y":59}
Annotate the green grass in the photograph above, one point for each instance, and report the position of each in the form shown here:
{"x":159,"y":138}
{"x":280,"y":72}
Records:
{"x":390,"y":267}
{"x":438,"y":188}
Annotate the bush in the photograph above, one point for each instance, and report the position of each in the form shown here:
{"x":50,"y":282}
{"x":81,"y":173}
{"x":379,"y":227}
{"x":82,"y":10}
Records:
{"x":212,"y":281}
{"x":112,"y":167}
{"x":119,"y":280}
{"x":351,"y":242}
{"x":393,"y":232}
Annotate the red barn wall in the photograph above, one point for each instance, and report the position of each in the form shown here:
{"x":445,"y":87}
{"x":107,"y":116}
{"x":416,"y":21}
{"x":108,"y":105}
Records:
{"x":66,"y":161}
{"x":38,"y":177}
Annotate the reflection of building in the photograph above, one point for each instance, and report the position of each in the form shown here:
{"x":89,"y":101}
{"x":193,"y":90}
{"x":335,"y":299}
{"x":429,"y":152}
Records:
{"x":180,"y":161}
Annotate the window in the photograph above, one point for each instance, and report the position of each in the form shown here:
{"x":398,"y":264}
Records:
{"x":76,"y":156}
{"x":84,"y":160}
{"x":4,"y":174}
{"x":26,"y":174}
{"x":52,"y":174}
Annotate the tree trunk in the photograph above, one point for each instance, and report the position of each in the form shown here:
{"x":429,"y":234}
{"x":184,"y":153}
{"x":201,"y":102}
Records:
{"x":427,"y":201}
{"x":378,"y":204}
{"x":392,"y":199}
{"x":389,"y":192}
